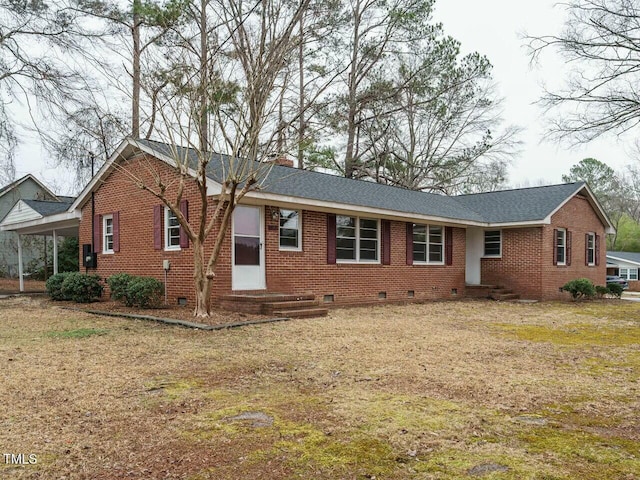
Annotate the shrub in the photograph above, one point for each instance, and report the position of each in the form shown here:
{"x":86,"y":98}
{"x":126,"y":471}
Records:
{"x":601,"y":291}
{"x":82,"y":288}
{"x":580,"y":287}
{"x":615,"y":289}
{"x":118,"y":284}
{"x":54,"y":286}
{"x":144,"y":292}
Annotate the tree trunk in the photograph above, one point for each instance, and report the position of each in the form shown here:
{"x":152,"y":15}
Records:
{"x":135,"y":93}
{"x":349,"y":161}
{"x":203,"y":284}
{"x":204,"y":79}
{"x":301,"y":127}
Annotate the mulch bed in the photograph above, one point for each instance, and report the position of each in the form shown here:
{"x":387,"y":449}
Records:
{"x":218,"y":315}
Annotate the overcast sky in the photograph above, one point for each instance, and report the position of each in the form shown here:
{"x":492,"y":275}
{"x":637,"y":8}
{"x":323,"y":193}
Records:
{"x":493,"y":28}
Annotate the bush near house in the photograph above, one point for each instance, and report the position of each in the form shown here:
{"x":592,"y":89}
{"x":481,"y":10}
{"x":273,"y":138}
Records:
{"x":615,"y":289}
{"x":601,"y":291}
{"x":82,"y":288}
{"x":135,"y":291}
{"x":78,"y":287}
{"x":118,"y":284}
{"x":54,"y":286}
{"x":580,"y":288}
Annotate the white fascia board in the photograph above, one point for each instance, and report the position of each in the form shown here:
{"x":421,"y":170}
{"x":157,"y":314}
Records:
{"x":591,"y":198}
{"x":82,"y":197}
{"x":125,"y":150}
{"x":623,"y":260}
{"x":59,"y":220}
{"x":260,"y":198}
{"x":213,"y":187}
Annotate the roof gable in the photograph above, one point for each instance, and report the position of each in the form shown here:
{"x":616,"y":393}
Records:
{"x":28,"y":177}
{"x":519,"y":205}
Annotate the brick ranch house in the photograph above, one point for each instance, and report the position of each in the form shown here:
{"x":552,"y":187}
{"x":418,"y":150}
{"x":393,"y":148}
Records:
{"x":346,"y":241}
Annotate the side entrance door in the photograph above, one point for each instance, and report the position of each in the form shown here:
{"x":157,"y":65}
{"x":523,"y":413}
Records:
{"x":247,"y":257}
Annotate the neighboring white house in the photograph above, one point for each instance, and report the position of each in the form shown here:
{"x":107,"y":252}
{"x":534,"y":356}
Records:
{"x":25,"y":188}
{"x":626,"y":265}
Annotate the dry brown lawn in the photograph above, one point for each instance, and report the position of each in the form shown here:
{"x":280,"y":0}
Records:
{"x":468,"y":389}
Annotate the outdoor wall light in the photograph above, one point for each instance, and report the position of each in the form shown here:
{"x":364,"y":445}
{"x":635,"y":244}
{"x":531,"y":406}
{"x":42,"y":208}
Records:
{"x":275,"y":213}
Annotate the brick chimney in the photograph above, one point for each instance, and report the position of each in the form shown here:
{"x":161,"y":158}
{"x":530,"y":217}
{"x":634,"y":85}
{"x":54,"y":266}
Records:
{"x":282,"y":161}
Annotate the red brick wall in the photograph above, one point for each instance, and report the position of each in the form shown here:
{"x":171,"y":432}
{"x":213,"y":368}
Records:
{"x":308,"y":271}
{"x":579,"y":218}
{"x":286,"y":271}
{"x":527,"y":265}
{"x":519,"y":268}
{"x":137,"y":254}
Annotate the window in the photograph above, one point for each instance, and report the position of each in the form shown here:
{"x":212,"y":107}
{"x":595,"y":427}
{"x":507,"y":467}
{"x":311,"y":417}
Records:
{"x":356,"y":239}
{"x":290,"y":231}
{"x":428,"y":244}
{"x":590,"y":249}
{"x":493,"y":243}
{"x":561,"y":246}
{"x":107,"y":234}
{"x":629,"y":273}
{"x":171,"y":230}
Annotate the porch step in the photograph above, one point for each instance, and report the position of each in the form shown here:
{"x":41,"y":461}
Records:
{"x":277,"y":304}
{"x":503,"y":294}
{"x":302,"y":312}
{"x":266,"y":297}
{"x":271,"y":307}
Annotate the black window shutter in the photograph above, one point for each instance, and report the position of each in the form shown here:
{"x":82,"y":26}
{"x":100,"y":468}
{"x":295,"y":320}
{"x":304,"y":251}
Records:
{"x":386,"y":242}
{"x":331,"y":238}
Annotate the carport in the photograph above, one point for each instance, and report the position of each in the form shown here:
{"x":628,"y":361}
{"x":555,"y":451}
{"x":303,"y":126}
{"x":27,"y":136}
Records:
{"x":44,"y":218}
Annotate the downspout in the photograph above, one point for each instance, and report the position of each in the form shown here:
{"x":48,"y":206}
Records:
{"x":93,"y":214}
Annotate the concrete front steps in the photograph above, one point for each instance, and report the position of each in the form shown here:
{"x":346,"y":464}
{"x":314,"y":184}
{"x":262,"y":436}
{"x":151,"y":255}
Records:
{"x":276,"y":304}
{"x":495,"y":292}
{"x":502,"y":294}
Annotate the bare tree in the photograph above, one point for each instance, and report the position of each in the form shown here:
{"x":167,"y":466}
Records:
{"x":601,"y":41}
{"x":8,"y":144}
{"x":236,"y":110}
{"x":31,"y":75}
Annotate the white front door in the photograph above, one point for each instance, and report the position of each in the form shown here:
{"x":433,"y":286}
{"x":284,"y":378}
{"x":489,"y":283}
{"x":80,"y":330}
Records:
{"x":247,"y":255}
{"x":475,"y":246}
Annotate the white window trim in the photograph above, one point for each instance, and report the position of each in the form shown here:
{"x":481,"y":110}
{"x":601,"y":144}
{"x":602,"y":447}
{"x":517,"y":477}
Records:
{"x":104,"y":234}
{"x":484,"y":244}
{"x":427,"y":261}
{"x":299,"y":247}
{"x":627,"y":275}
{"x":167,"y":247}
{"x":564,"y":245}
{"x":593,"y":242}
{"x":357,"y":245}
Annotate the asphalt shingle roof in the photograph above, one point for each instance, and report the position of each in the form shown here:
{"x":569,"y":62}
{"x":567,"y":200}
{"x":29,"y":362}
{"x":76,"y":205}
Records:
{"x":527,"y":204}
{"x":518,"y":205}
{"x":46,"y":208}
{"x":628,"y":256}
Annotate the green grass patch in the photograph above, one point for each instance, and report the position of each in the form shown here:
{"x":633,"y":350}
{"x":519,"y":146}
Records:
{"x":574,"y":334}
{"x":581,"y":453}
{"x":77,"y":333}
